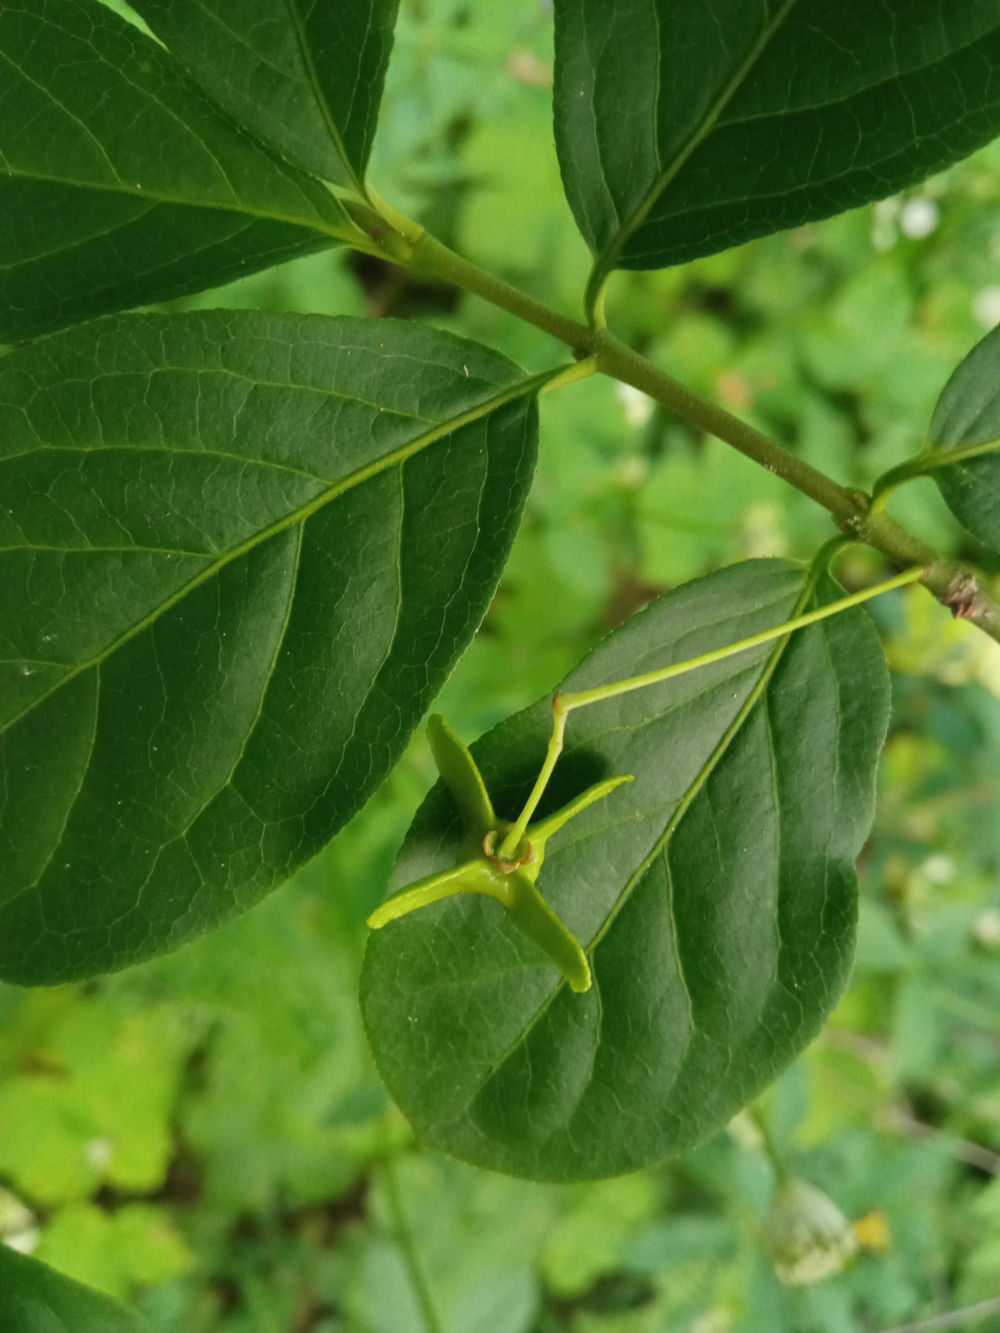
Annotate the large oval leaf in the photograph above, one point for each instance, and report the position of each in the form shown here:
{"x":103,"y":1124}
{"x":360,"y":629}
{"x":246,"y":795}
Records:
{"x":120,"y":182}
{"x":715,"y":895}
{"x":239,"y":554}
{"x":683,"y":128}
{"x":34,"y":1298}
{"x":967,"y":419}
{"x":305,"y":77}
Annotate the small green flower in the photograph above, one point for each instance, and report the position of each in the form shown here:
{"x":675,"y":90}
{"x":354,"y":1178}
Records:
{"x":509,"y":879}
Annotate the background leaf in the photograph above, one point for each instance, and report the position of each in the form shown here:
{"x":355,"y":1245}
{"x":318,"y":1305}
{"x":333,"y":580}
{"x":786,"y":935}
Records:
{"x":967,"y":414}
{"x":716,"y":896}
{"x":304,"y":77}
{"x":239,"y":553}
{"x":120,"y":182}
{"x":684,"y":129}
{"x":36,"y":1299}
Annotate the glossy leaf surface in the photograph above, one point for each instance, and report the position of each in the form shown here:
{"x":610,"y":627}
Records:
{"x":306,"y":77}
{"x":120,"y":182}
{"x":715,"y":895}
{"x":34,"y":1298}
{"x":238,"y":555}
{"x":968,"y":415}
{"x":684,"y":128}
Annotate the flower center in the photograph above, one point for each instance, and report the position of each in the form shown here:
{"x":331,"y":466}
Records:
{"x":523,"y":855}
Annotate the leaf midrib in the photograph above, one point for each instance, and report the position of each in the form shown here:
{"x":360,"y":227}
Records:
{"x":222,"y":372}
{"x":192,"y":132}
{"x":767,"y":671}
{"x":768,"y":196}
{"x":313,"y":83}
{"x":316,"y":223}
{"x":319,"y":97}
{"x":606,"y":261}
{"x":708,"y":767}
{"x":609,"y":258}
{"x":523,"y":389}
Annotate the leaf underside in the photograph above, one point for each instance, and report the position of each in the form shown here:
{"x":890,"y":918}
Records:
{"x":34,"y":1298}
{"x":685,"y":128}
{"x":239,"y":553}
{"x":968,"y":414}
{"x":122,"y":182}
{"x":716,"y":895}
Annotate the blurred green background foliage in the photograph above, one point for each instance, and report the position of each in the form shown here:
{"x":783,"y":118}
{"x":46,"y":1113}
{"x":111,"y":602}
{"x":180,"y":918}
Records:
{"x":205,"y":1135}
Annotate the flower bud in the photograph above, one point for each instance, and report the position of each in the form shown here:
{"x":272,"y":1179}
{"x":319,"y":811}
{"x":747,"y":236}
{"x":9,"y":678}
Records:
{"x":807,"y":1235}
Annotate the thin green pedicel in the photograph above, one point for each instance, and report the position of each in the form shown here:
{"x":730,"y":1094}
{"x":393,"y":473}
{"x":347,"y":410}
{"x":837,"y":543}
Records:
{"x":504,"y":859}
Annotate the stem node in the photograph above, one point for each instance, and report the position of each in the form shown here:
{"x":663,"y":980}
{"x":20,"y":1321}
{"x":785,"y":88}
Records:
{"x":854,"y":512}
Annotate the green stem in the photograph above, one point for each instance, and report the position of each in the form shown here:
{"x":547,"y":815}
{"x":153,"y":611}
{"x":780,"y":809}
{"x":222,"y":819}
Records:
{"x":952,"y":584}
{"x":564,"y":703}
{"x":435,"y":260}
{"x":960,"y":1318}
{"x":768,"y":1145}
{"x":404,"y":1239}
{"x":618,"y":360}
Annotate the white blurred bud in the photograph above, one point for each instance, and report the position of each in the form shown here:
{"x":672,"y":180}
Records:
{"x":638,"y":406}
{"x":807,"y":1235}
{"x":18,"y":1224}
{"x":986,"y":307}
{"x":919,"y":218}
{"x":98,"y":1152}
{"x":885,"y":222}
{"x":986,"y":930}
{"x":939,"y":869}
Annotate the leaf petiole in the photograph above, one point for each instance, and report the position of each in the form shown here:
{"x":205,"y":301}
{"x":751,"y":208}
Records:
{"x":564,"y":703}
{"x":922,"y":465}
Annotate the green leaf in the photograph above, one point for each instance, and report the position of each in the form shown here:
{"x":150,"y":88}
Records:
{"x":120,"y":182}
{"x":36,"y":1299}
{"x":116,"y":1251}
{"x":239,"y":554}
{"x":716,"y":895}
{"x":967,"y":418}
{"x":686,"y":128}
{"x":304,"y":77}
